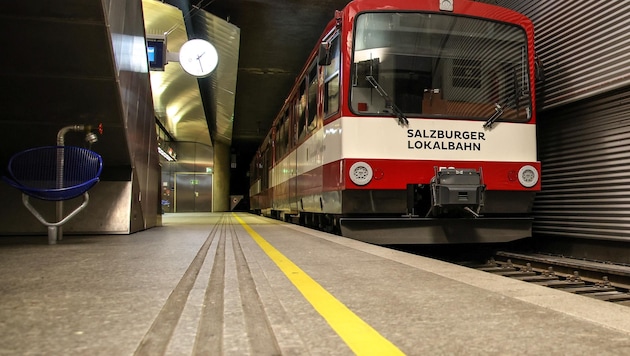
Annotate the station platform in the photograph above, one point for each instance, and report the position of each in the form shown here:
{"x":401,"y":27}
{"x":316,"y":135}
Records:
{"x":240,"y":284}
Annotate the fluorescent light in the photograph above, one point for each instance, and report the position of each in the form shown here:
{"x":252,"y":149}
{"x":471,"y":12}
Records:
{"x":165,"y":155}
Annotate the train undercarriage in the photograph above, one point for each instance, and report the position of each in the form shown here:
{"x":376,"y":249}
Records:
{"x":454,"y":208}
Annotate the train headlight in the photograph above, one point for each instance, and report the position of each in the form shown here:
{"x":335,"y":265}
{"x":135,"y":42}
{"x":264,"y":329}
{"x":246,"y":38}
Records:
{"x":361,"y":173}
{"x":528,"y":176}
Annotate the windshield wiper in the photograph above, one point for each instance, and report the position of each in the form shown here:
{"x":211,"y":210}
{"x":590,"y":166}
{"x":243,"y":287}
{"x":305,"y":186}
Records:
{"x":389,"y":103}
{"x":513,"y":101}
{"x":498,"y":111}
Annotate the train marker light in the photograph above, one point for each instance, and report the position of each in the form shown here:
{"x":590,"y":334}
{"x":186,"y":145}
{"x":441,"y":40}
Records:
{"x":361,"y":173}
{"x":446,"y":5}
{"x":528,"y":176}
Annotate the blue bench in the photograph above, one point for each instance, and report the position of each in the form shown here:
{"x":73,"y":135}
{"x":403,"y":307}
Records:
{"x":54,"y":173}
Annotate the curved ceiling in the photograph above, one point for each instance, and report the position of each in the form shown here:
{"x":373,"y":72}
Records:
{"x":176,"y":98}
{"x":179,"y":103}
{"x":275,"y":38}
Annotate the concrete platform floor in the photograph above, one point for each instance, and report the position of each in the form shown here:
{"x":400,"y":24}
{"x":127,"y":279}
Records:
{"x":239,"y":284}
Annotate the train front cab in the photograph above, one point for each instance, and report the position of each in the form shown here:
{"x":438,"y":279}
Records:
{"x":461,"y":164}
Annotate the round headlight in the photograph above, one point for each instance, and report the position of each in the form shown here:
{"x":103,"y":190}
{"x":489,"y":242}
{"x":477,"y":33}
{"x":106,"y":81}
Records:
{"x":528,"y":176}
{"x":361,"y":173}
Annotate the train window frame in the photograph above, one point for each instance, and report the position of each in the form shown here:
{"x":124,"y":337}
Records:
{"x":267,"y":161}
{"x":282,"y":140}
{"x":289,"y":122}
{"x":294,"y":122}
{"x":331,"y":82}
{"x":285,"y":130}
{"x":300,"y":103}
{"x":522,"y":82}
{"x":312,"y":95}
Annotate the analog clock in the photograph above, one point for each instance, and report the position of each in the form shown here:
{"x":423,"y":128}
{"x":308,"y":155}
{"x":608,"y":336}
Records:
{"x":198,"y":57}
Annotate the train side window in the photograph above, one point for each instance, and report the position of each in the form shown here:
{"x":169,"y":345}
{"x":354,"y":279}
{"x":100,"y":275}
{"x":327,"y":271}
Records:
{"x":266,"y":166}
{"x":293,"y":119}
{"x":312,"y":97}
{"x":331,"y":80}
{"x":276,"y":139}
{"x":331,"y":94}
{"x":287,"y":130}
{"x":300,"y":109}
{"x":281,"y":138}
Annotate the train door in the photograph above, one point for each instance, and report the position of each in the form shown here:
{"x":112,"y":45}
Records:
{"x":193,"y":192}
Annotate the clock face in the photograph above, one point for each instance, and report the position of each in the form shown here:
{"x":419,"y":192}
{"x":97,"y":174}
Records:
{"x":198,"y":57}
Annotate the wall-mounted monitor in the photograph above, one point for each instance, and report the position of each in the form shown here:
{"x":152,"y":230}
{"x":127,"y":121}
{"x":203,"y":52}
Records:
{"x":156,"y":52}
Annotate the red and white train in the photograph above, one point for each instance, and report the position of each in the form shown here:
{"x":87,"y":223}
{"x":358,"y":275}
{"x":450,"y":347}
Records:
{"x":413,"y":122}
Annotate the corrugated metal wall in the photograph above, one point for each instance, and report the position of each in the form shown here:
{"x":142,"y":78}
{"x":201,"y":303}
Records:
{"x":583,"y":117}
{"x":585,"y":169}
{"x":583,"y":46}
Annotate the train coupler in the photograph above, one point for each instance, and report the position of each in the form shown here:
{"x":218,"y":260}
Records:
{"x":455,"y":191}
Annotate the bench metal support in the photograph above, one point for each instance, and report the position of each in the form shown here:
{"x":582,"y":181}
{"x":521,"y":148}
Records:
{"x":54,"y":228}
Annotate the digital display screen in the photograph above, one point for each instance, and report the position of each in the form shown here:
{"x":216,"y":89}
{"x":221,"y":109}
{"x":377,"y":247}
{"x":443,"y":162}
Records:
{"x":156,"y":53}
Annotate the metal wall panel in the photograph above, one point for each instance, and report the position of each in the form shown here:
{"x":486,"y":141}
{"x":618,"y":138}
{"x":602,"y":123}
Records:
{"x":95,"y":71}
{"x":582,"y":44}
{"x":126,"y":25}
{"x":585,"y":177}
{"x":107,"y":212}
{"x":193,"y":159}
{"x":584,"y":124}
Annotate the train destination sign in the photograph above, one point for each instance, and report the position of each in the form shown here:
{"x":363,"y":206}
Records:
{"x":451,"y":140}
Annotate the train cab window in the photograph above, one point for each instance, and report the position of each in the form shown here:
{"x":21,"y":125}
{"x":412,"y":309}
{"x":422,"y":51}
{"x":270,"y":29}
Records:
{"x":331,"y":79}
{"x":312,"y":98}
{"x":439,"y":65}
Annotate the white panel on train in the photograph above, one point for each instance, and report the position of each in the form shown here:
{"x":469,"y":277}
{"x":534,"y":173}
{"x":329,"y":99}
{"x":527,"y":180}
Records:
{"x":383,"y":138}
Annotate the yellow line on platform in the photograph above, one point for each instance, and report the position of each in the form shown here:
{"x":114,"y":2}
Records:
{"x":356,"y":333}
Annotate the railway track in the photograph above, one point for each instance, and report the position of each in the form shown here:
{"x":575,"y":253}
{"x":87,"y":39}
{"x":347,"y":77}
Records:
{"x":594,"y":279}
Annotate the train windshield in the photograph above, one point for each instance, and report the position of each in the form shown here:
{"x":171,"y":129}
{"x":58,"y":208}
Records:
{"x":435,"y":65}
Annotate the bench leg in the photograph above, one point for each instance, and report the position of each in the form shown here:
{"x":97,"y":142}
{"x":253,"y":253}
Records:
{"x":59,"y":211}
{"x":52,"y":235}
{"x":54,"y":228}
